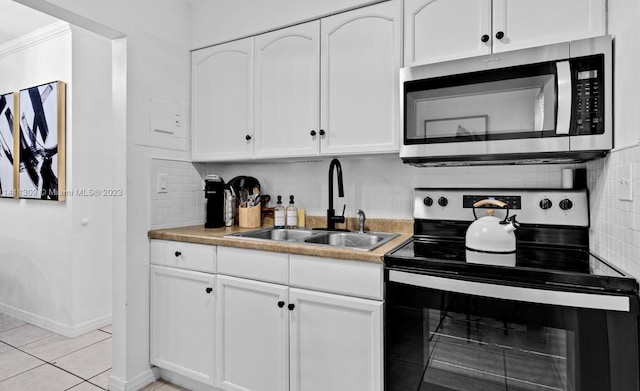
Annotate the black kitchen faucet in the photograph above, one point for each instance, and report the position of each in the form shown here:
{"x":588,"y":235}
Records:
{"x":332,"y":219}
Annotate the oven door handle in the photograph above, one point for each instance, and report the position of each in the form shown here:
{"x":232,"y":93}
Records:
{"x":507,"y":292}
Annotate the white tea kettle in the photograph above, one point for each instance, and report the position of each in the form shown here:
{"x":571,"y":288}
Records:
{"x":490,"y":240}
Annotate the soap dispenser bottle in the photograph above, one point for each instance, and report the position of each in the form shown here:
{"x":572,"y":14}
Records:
{"x":279,"y":214}
{"x":292,"y":214}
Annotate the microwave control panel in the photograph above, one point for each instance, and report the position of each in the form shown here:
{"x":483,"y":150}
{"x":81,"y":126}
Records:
{"x":588,"y":116}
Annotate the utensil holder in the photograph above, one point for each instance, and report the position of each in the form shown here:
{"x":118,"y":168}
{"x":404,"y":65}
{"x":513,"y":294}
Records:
{"x":249,"y":217}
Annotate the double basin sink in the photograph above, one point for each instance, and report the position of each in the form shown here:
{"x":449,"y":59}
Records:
{"x":353,"y":240}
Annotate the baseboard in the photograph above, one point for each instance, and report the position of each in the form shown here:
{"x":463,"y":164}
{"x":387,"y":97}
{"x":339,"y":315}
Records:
{"x":185,"y":382}
{"x":90,"y":325}
{"x":142,"y":380}
{"x":55,"y":326}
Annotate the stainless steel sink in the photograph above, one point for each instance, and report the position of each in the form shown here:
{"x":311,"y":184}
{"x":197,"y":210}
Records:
{"x":275,"y":234}
{"x":363,"y":241}
{"x":357,"y":241}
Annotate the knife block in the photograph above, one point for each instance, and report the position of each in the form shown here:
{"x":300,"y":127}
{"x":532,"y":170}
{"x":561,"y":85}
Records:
{"x":249,"y":217}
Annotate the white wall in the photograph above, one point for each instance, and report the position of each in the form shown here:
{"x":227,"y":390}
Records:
{"x":56,"y":272}
{"x":35,"y":282}
{"x":151,"y":59}
{"x":92,"y":168}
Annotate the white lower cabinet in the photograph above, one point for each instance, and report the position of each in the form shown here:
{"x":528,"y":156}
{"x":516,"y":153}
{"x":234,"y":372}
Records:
{"x":335,"y":342}
{"x":182,"y":320}
{"x":277,"y":337}
{"x":252,"y":335}
{"x":263,"y":322}
{"x":274,"y":338}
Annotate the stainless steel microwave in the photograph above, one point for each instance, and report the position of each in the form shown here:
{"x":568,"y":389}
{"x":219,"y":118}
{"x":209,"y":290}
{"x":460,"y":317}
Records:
{"x":548,"y":104}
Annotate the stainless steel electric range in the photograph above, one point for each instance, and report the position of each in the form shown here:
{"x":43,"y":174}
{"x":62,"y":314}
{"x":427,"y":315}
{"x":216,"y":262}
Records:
{"x":556,"y":318}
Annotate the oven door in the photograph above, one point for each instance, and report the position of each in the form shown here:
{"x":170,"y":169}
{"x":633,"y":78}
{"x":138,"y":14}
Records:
{"x":449,"y":334}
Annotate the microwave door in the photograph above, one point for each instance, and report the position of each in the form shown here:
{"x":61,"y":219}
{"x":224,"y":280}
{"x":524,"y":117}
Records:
{"x":485,"y":113}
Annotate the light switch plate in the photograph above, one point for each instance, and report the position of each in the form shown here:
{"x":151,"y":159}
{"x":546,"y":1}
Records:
{"x":162,"y":183}
{"x":624,"y":182}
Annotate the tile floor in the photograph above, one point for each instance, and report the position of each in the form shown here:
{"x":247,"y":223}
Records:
{"x":33,"y":359}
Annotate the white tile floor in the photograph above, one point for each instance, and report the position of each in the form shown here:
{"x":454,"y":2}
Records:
{"x":33,"y":359}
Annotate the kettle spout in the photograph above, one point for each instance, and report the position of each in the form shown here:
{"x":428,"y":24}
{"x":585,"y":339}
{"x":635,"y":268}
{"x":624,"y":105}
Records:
{"x":511,"y":224}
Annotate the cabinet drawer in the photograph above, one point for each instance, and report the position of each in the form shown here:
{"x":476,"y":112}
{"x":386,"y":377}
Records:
{"x":200,"y":257}
{"x":353,"y":278}
{"x":257,"y":265}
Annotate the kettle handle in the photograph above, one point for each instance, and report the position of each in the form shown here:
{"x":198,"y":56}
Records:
{"x":489,"y":201}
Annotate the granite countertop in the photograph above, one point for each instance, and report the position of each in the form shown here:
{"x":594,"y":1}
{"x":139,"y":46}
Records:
{"x":216,"y":236}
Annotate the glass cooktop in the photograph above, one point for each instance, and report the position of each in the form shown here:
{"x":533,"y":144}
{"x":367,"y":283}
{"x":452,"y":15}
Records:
{"x":536,"y":265}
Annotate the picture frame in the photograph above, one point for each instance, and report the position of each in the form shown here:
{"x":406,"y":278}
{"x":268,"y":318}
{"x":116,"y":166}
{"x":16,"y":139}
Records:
{"x":42,"y":129}
{"x":470,"y":127}
{"x":8,"y":145}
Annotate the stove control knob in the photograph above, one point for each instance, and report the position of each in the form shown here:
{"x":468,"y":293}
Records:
{"x":566,"y":204}
{"x":428,"y":201}
{"x":546,"y":204}
{"x":442,"y":201}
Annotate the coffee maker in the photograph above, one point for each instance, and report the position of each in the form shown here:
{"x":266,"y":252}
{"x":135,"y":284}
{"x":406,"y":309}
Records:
{"x":214,"y":193}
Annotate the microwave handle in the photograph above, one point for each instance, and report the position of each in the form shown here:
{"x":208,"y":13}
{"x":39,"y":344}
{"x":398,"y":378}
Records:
{"x":564,"y":97}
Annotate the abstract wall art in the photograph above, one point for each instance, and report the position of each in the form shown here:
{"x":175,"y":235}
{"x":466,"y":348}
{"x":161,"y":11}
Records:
{"x":42,"y":142}
{"x":7,"y":145}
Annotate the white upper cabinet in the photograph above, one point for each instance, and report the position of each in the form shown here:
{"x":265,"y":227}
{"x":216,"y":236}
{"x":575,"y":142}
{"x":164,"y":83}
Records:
{"x":440,"y":30}
{"x":287,"y":96}
{"x":326,"y":87}
{"x":222,"y":102}
{"x":361,"y":53}
{"x":540,"y":22}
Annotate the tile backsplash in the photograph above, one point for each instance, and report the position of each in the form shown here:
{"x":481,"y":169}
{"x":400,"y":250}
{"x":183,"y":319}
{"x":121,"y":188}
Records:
{"x":615,"y":223}
{"x":383,"y":188}
{"x":380,"y":186}
{"x":183,"y":203}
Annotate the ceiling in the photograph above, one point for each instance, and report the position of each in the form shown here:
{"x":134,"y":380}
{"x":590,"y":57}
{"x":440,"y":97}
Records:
{"x":17,"y":20}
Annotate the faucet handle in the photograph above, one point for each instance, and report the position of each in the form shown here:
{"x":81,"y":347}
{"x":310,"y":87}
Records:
{"x":340,"y":219}
{"x":361,"y":218}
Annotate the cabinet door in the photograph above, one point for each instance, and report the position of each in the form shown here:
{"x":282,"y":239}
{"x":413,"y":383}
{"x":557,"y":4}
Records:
{"x":361,"y":53}
{"x":535,"y":23}
{"x":222,"y":102}
{"x":336,"y":342}
{"x":252,"y":335}
{"x":287,"y":75}
{"x":182,"y":322}
{"x":440,"y":30}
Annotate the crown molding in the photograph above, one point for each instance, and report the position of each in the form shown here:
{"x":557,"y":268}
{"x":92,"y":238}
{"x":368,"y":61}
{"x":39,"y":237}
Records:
{"x":38,"y":36}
